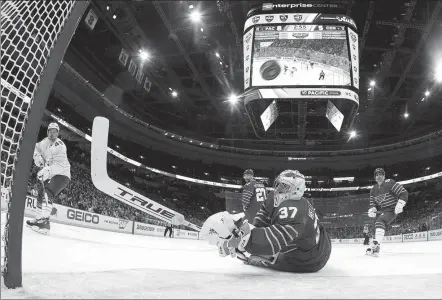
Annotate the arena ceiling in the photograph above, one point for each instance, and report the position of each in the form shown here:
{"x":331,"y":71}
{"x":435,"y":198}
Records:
{"x":400,"y":49}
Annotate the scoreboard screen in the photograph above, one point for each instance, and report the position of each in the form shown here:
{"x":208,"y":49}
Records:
{"x":294,"y":55}
{"x":290,"y":50}
{"x":300,"y":58}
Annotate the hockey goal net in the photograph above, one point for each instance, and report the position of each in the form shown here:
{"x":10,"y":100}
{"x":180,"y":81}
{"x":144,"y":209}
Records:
{"x":34,"y":38}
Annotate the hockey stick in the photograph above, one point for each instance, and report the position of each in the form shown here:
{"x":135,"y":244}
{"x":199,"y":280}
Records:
{"x":104,"y":183}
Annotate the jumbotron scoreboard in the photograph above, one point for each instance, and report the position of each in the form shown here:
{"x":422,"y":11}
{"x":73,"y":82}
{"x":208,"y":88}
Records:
{"x":294,"y":53}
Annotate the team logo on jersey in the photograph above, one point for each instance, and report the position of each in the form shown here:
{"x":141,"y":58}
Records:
{"x":255,"y":19}
{"x":269,"y":18}
{"x":297,"y":18}
{"x":283,"y":18}
{"x":353,"y":37}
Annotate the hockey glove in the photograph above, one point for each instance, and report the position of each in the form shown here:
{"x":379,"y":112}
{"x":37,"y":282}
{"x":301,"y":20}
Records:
{"x":372,"y":212}
{"x":238,"y":240}
{"x":44,"y":174}
{"x":399,"y":206}
{"x":38,"y":160}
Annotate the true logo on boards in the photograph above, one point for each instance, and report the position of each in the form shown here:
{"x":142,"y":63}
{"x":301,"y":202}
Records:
{"x":145,"y":203}
{"x":85,"y":217}
{"x":255,"y":19}
{"x":269,"y":18}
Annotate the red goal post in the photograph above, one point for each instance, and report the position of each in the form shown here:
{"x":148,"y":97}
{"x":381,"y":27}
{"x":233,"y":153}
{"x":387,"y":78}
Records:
{"x":35,"y":36}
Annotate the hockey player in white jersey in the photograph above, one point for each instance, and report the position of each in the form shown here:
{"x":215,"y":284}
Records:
{"x":50,"y":155}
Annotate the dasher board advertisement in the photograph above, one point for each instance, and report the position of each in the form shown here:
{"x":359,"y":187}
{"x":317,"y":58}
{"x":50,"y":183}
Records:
{"x":300,"y":55}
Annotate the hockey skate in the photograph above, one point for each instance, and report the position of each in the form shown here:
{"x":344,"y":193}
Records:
{"x":374,"y":249}
{"x":39,"y":225}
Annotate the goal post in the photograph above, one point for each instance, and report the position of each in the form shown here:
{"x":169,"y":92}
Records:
{"x":35,"y":36}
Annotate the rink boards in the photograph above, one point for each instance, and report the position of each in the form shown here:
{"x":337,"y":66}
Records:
{"x":77,"y":217}
{"x":80,"y":218}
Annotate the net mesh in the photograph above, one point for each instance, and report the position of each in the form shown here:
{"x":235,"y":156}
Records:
{"x":29,"y":30}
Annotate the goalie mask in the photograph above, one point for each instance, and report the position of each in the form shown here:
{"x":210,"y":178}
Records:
{"x":288,"y":185}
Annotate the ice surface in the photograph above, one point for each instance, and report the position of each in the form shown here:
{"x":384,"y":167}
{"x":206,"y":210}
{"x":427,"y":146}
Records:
{"x":75,"y":262}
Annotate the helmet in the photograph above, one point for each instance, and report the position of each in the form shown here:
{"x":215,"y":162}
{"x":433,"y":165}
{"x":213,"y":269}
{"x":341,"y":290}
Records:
{"x":54,"y":126}
{"x":288,"y":185}
{"x":379,"y":171}
{"x":248,"y":172}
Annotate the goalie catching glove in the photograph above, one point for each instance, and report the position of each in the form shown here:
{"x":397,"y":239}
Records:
{"x":227,"y":234}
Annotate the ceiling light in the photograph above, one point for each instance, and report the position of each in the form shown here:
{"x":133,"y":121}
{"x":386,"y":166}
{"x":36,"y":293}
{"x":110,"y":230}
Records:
{"x":406,"y":115}
{"x":427,"y":93}
{"x":144,"y":55}
{"x":174,"y":94}
{"x":233,"y":99}
{"x":202,"y":29}
{"x":114,"y":16}
{"x":217,"y":54}
{"x":352,"y":134}
{"x":190,"y":6}
{"x":372,"y":83}
{"x":107,"y":7}
{"x":369,"y":89}
{"x":195,"y":16}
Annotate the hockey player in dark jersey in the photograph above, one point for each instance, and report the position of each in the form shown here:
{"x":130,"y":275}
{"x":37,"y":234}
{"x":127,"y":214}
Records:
{"x":366,"y":233}
{"x":253,"y":195}
{"x":387,"y":200}
{"x":286,"y":234}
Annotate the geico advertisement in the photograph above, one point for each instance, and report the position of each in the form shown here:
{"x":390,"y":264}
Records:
{"x":77,"y":217}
